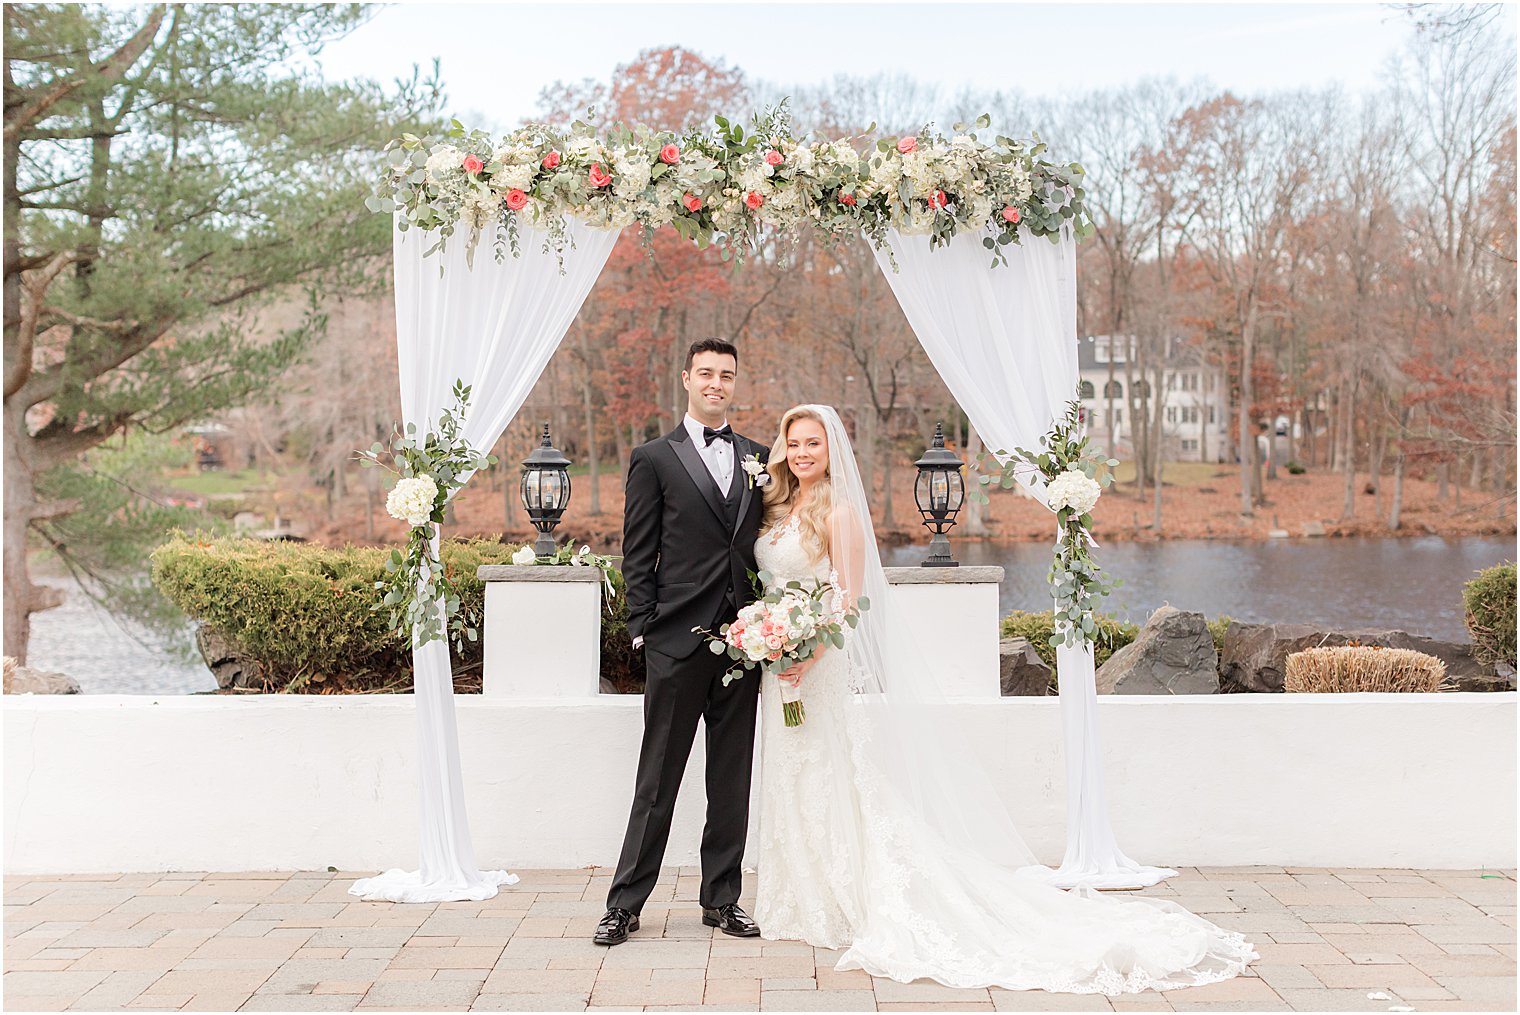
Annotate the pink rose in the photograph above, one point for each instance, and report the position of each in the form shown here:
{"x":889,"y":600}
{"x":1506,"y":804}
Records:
{"x":516,"y":199}
{"x":773,"y":656}
{"x":692,"y":202}
{"x":472,"y":164}
{"x":1010,"y":214}
{"x":670,"y":155}
{"x":551,"y":161}
{"x":774,"y":642}
{"x":599,"y":176}
{"x":848,"y":199}
{"x":774,"y":158}
{"x":753,"y":200}
{"x":907,"y":144}
{"x":937,"y":199}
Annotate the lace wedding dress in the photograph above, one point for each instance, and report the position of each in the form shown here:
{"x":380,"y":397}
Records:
{"x":846,"y":861}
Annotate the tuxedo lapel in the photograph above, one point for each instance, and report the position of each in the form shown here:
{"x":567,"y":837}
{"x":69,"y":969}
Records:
{"x":748,"y":490}
{"x":686,"y":451}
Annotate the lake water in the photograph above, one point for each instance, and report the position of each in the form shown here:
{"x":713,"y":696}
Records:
{"x":1413,"y":584}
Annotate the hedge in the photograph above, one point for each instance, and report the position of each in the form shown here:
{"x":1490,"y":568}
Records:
{"x":302,"y":613}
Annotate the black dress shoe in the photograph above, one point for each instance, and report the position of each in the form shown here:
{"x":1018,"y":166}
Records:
{"x":615,"y":927}
{"x":731,"y":920}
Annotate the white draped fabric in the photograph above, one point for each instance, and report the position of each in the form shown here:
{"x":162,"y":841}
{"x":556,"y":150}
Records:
{"x":1005,"y":341}
{"x":494,"y":326}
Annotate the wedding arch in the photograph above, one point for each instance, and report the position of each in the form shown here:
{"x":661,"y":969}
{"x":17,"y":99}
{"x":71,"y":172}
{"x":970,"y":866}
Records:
{"x":976,"y":239}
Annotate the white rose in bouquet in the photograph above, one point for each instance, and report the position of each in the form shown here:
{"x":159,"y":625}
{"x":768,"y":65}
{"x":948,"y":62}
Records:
{"x":411,"y":500}
{"x":1074,"y":489}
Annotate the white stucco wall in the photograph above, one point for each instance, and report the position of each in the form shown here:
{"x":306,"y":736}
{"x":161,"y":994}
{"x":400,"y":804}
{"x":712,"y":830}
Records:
{"x":118,"y":783}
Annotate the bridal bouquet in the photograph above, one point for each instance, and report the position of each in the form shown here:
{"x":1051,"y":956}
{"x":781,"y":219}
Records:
{"x":787,"y":625}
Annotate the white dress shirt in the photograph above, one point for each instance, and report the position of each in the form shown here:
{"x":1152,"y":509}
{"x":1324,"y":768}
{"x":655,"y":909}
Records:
{"x":717,"y":456}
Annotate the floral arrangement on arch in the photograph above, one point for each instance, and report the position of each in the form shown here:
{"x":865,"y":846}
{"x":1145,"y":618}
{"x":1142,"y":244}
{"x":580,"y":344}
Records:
{"x":1073,"y":484}
{"x":430,"y":470}
{"x":723,"y":185}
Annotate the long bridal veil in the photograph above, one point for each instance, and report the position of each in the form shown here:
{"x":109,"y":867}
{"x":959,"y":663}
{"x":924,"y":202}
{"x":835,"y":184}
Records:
{"x":939,"y":889}
{"x":915,"y":741}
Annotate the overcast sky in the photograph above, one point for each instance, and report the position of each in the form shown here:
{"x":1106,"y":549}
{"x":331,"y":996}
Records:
{"x":496,"y":57}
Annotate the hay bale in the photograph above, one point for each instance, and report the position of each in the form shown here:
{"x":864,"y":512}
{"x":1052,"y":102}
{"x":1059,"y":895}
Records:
{"x":1351,"y":668}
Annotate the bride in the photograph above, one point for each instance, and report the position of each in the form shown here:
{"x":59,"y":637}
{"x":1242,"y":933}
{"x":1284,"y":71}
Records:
{"x":873,"y":838}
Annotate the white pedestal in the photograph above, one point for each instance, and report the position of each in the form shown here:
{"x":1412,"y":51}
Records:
{"x":954,"y":613}
{"x":542,"y":631}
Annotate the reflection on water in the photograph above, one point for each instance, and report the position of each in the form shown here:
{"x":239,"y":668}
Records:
{"x":84,"y":641}
{"x":1412,"y":584}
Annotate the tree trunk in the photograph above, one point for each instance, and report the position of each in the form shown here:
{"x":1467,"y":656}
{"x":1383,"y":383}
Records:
{"x":1156,"y":504}
{"x":594,"y":460}
{"x":889,"y":453}
{"x":1243,"y":416}
{"x":1348,"y":450}
{"x":1399,"y":490}
{"x":1375,"y":471}
{"x":20,"y":497}
{"x":1443,"y":481}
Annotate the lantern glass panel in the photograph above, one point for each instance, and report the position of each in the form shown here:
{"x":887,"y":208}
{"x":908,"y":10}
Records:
{"x":532,"y":496}
{"x":957,"y":490}
{"x":939,"y":492}
{"x":553,"y":490}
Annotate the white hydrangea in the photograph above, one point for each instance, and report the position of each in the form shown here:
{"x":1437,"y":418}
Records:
{"x":444,"y":162}
{"x":963,"y":141}
{"x":515,"y":177}
{"x":411,"y":500}
{"x":632,"y":173}
{"x":802,"y":160}
{"x":1074,"y":489}
{"x":587,"y":148}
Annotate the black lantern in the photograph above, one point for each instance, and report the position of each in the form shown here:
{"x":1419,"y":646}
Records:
{"x":939,"y":492}
{"x":545,"y":491}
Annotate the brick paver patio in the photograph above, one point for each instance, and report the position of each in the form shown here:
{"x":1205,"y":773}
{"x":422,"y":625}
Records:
{"x":1343,"y":940}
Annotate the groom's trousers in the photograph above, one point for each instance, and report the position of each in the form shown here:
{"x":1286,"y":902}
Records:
{"x":676,"y":693}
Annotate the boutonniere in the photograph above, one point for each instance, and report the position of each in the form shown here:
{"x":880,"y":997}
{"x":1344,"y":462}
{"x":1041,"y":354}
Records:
{"x":755,"y":470}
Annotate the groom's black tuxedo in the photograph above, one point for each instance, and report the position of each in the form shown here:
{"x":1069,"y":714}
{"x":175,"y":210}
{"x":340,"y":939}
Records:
{"x":687,"y":546}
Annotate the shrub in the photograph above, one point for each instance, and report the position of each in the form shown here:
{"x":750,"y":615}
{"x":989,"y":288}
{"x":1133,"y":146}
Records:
{"x":302,"y":613}
{"x":1217,"y":627}
{"x":1038,"y":628}
{"x":1362,"y":668}
{"x":1296,"y":468}
{"x":1490,"y":606}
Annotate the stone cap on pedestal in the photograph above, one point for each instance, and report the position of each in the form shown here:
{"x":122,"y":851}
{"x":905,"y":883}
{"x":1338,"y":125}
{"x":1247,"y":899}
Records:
{"x":962,"y":575}
{"x":537,"y":573}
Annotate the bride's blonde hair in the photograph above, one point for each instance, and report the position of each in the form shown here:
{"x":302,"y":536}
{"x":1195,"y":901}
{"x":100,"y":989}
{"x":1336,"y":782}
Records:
{"x":781,"y":495}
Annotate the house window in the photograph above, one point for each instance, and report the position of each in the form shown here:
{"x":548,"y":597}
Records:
{"x":1190,"y":414}
{"x":1113,"y":389}
{"x":1189,"y":382}
{"x":1171,"y":414}
{"x":1211,"y":415}
{"x":1190,"y":444}
{"x":1143,"y":389}
{"x":1087,"y":390}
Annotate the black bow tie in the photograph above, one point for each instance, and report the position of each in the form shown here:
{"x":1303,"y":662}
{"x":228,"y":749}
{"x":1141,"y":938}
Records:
{"x":724,"y":433}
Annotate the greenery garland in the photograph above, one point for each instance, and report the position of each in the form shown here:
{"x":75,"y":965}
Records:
{"x":726,"y":186}
{"x":432,"y":469}
{"x":1073,"y":484}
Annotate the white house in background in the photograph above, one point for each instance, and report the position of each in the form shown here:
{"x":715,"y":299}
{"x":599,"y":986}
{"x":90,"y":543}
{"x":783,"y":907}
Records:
{"x":1195,"y":401}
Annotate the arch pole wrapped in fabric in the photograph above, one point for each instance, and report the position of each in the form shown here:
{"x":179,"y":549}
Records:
{"x":1004,"y":339}
{"x":492,"y":324}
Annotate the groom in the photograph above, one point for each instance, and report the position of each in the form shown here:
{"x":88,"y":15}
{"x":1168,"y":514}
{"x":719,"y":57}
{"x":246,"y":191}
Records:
{"x":690,"y":519}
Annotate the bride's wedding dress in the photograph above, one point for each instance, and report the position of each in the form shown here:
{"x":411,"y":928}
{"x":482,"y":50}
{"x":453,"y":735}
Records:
{"x":846,"y":859}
